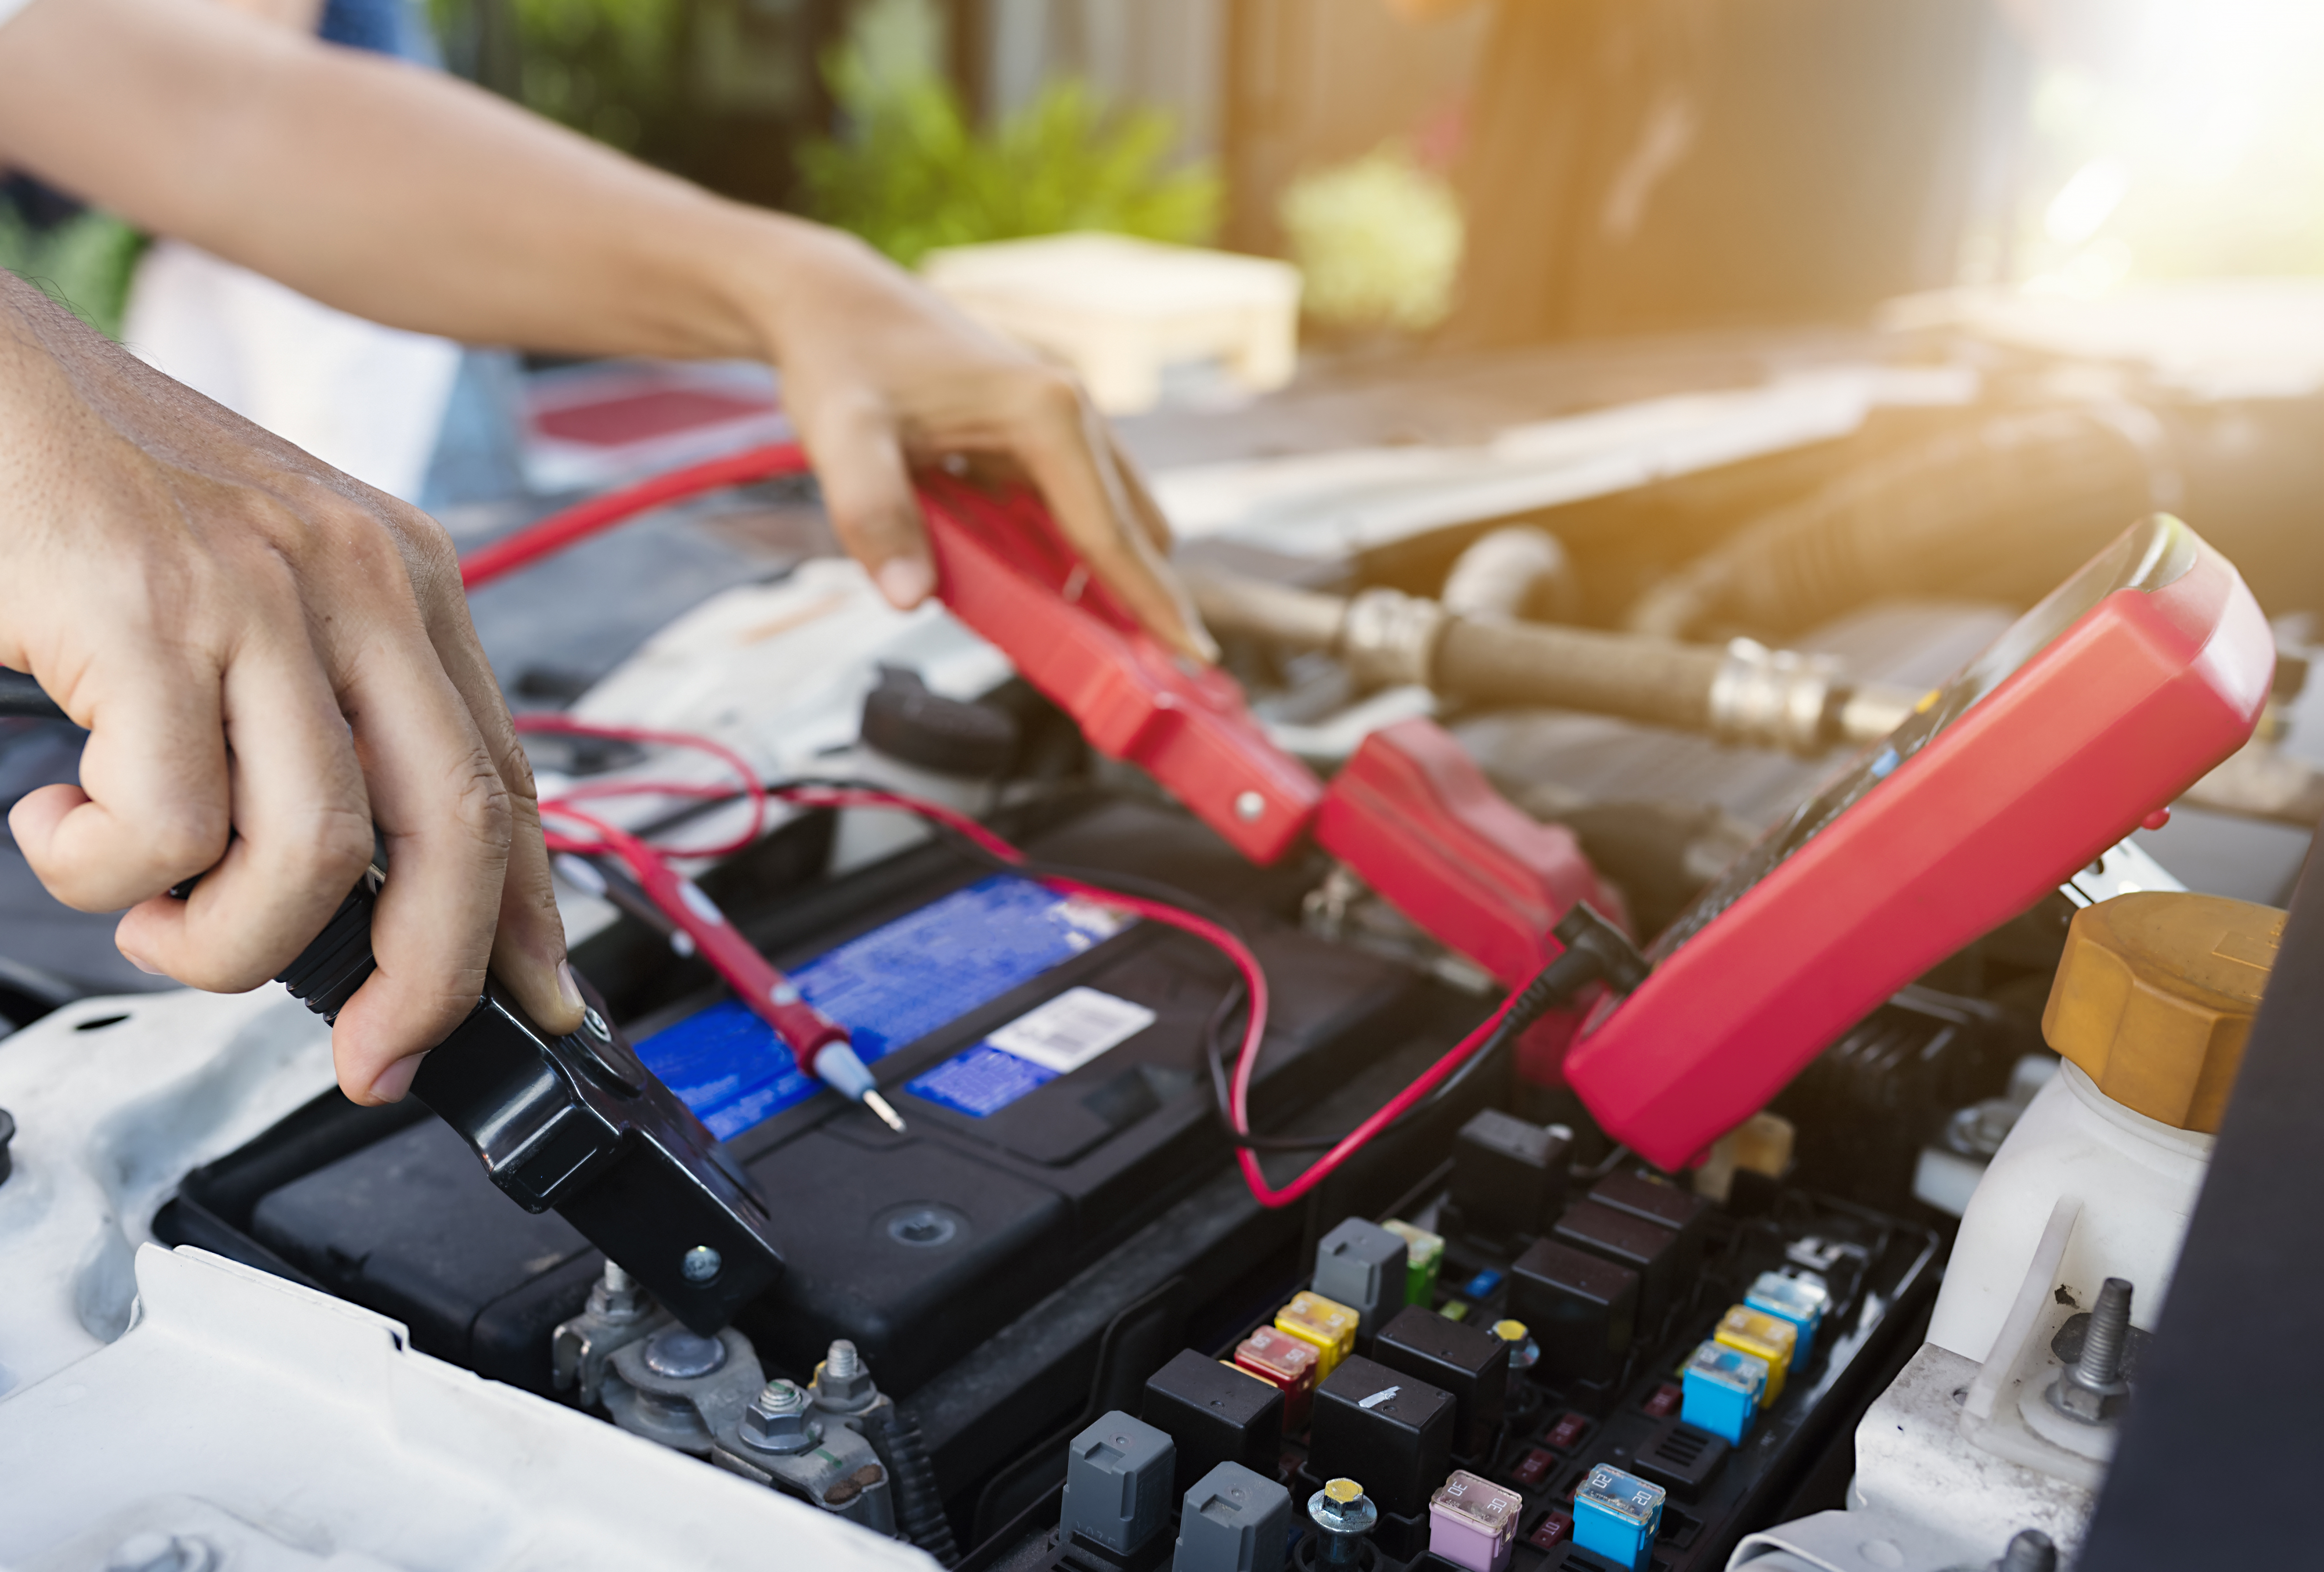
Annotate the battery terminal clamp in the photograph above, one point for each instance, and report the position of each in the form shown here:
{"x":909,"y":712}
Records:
{"x":577,"y":1124}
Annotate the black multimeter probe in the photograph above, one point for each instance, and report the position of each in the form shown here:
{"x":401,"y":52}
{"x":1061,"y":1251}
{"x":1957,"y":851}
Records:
{"x":575,"y":1123}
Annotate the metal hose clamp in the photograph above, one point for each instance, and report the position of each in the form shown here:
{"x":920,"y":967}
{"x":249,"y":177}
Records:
{"x":1772,"y":697}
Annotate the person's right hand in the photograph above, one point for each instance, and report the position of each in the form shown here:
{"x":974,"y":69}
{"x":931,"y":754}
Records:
{"x":271,"y":659}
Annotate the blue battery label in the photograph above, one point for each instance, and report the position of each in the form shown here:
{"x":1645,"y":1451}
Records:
{"x":888,"y":987}
{"x":1045,"y":1042}
{"x":982,"y":1081}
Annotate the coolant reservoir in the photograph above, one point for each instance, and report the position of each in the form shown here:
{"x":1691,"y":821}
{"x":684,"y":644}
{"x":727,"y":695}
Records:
{"x":2150,"y":1009}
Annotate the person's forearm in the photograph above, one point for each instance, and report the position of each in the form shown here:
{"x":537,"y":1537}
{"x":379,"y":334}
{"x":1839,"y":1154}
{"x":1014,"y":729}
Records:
{"x":418,"y":201}
{"x":389,"y":191}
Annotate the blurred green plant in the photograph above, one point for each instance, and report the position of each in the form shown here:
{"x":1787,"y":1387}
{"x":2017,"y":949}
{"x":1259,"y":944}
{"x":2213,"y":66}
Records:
{"x":909,"y":174}
{"x":606,"y":68}
{"x":85,"y":265}
{"x":1378,"y":241}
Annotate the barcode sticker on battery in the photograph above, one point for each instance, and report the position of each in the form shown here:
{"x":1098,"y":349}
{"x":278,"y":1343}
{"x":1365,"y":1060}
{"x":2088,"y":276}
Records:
{"x":1071,"y":1029}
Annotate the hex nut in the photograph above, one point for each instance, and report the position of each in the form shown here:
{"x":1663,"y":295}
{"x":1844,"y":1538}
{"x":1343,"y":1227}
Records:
{"x":2089,"y":1405}
{"x":776,"y":1422}
{"x":844,"y":1391}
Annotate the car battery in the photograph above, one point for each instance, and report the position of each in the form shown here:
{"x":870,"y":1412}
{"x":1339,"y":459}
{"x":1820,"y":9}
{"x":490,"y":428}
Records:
{"x":1046,"y":1052}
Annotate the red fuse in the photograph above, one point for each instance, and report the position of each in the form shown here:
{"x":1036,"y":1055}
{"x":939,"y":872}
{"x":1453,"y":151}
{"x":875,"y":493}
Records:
{"x":1664,"y":1402}
{"x":1551,"y":1533}
{"x":1567,"y":1432}
{"x":1533,"y":1468}
{"x":1284,"y":1362}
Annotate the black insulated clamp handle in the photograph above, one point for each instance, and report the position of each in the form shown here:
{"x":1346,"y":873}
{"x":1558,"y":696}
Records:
{"x":578,"y":1124}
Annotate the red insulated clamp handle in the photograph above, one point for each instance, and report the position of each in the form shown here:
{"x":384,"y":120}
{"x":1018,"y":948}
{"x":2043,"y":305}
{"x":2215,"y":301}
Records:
{"x":1002,"y":570}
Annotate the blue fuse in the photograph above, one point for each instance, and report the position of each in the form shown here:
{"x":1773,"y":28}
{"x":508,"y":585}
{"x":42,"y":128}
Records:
{"x":1617,"y":1516}
{"x":1482,"y":1284}
{"x":1800,"y":1300}
{"x":1722,"y":1386}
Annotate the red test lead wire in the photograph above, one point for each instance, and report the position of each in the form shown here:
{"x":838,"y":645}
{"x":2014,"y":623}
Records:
{"x":818,"y":1045}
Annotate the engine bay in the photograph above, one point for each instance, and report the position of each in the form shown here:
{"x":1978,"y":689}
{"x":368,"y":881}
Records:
{"x":1050,"y":1323}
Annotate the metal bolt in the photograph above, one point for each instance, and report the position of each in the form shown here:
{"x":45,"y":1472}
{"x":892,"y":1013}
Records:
{"x":616,"y":1297}
{"x":1345,"y":1517}
{"x":1249,"y":806}
{"x":2030,"y":1551}
{"x":843,"y":1383}
{"x":681,"y":1355}
{"x":777,"y":1421}
{"x":595,"y":1024}
{"x":702,"y":1264}
{"x":2094,"y":1391}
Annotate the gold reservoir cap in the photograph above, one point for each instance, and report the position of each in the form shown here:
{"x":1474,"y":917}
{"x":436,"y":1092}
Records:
{"x":2154,"y":999}
{"x":1344,"y":1491}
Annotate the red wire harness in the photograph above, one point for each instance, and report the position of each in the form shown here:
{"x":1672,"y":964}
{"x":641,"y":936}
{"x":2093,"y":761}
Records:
{"x":718,"y":940}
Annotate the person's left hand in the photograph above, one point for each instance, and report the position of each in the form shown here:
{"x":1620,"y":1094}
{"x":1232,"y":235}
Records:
{"x":880,"y":375}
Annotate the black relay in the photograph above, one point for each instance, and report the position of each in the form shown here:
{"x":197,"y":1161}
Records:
{"x":1583,"y":1309}
{"x":1509,"y":1177}
{"x":1685,"y":1214}
{"x":1648,"y":1249}
{"x":1469,"y":1362}
{"x":1390,"y":1432}
{"x":1216,"y":1414}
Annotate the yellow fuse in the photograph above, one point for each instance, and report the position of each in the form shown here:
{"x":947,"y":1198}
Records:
{"x":1763,"y":1337}
{"x":1331,"y":1328}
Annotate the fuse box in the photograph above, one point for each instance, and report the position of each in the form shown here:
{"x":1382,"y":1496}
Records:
{"x":1657,"y":1447}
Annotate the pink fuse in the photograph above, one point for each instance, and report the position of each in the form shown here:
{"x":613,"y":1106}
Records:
{"x":1472,"y":1522}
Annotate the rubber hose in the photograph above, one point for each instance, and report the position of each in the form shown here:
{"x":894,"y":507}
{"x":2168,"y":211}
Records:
{"x":1578,"y":669}
{"x":2007,"y":508}
{"x":1494,"y":662}
{"x":919,"y":1510}
{"x":1515,"y":573}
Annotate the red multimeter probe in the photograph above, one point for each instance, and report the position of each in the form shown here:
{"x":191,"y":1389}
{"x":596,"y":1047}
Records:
{"x":2093,"y":711}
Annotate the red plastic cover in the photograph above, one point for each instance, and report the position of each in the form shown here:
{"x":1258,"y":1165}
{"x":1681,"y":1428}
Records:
{"x":1004,"y":573}
{"x":2097,"y":708}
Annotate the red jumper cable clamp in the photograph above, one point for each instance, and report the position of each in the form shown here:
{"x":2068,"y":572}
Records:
{"x":1411,"y":814}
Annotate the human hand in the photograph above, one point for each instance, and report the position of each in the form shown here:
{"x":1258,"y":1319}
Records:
{"x":880,"y":375}
{"x":271,"y":659}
